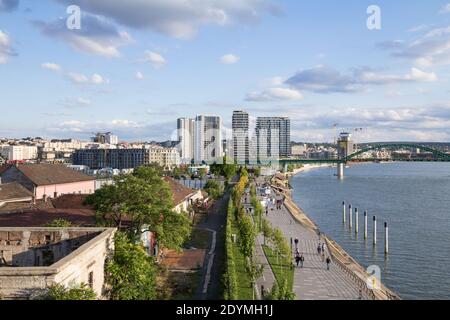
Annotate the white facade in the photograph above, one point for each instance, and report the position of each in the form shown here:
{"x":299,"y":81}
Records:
{"x":208,"y":139}
{"x":186,"y":133}
{"x":19,"y":153}
{"x":111,"y":139}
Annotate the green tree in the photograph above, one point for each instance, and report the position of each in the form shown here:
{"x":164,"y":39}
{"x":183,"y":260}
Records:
{"x":144,"y":200}
{"x":76,"y":292}
{"x":214,"y":189}
{"x":131,"y":275}
{"x":254,"y":270}
{"x":59,"y":223}
{"x":266,"y":230}
{"x":247,"y":236}
{"x":201,"y":173}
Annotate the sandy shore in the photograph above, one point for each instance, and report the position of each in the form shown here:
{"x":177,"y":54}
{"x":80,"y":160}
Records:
{"x":308,"y":167}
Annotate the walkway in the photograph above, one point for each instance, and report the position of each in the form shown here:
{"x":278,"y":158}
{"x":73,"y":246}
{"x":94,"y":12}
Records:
{"x":314,"y":281}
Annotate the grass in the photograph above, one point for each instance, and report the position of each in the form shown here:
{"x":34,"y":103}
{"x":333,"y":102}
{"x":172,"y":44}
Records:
{"x":244,"y":282}
{"x":184,"y":285}
{"x":282,"y":271}
{"x":200,"y":239}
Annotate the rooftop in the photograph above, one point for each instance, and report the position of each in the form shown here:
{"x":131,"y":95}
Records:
{"x":179,"y":191}
{"x":48,"y":174}
{"x":12,"y":191}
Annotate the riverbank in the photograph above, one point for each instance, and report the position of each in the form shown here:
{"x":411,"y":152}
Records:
{"x":339,"y":256}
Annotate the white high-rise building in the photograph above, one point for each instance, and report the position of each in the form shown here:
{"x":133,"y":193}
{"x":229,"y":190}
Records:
{"x":208,"y":139}
{"x":186,"y":134}
{"x":19,"y":153}
{"x":240,"y":137}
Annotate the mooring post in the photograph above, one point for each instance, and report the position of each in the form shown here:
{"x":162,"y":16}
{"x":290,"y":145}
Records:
{"x":356,"y":221}
{"x":343,"y":212}
{"x":365,"y":224}
{"x":374,"y":230}
{"x":386,"y":238}
{"x":350,"y":216}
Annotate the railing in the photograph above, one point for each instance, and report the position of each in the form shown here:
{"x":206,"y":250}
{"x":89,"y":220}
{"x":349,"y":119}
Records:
{"x":362,"y":285}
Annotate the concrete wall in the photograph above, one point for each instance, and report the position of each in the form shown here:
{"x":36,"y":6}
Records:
{"x":74,"y":268}
{"x":83,"y":187}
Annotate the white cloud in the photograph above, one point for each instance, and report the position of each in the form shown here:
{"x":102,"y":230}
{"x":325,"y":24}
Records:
{"x":155,"y":59}
{"x":229,"y":59}
{"x":5,"y":48}
{"x":51,"y":66}
{"x":430,"y":49}
{"x":80,"y":78}
{"x":139,"y":76}
{"x":75,"y":103}
{"x":446,"y":8}
{"x":177,"y":18}
{"x":98,"y":79}
{"x":327,"y":80}
{"x":98,"y":35}
{"x":274,"y":94}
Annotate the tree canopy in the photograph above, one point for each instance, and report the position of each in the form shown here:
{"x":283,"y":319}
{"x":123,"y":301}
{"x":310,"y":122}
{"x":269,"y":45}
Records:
{"x":131,"y":274}
{"x":142,"y":200}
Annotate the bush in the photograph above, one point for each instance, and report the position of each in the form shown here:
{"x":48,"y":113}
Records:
{"x":77,"y":292}
{"x":131,"y":274}
{"x":214,"y":189}
{"x":59,"y":223}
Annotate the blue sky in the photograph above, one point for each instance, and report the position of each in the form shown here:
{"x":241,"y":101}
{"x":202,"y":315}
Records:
{"x":135,"y":66}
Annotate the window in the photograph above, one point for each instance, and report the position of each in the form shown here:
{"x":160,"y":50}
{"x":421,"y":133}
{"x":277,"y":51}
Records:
{"x":91,"y":279}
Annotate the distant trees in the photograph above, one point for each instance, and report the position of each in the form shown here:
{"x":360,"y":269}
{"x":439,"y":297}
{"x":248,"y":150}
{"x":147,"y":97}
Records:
{"x":227,"y":169}
{"x":214,"y":189}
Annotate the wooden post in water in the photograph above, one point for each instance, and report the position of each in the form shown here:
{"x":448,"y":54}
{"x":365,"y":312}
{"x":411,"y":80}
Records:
{"x":374,"y":230}
{"x":365,"y":224}
{"x":343,"y":212}
{"x":350,"y":216}
{"x":386,"y":238}
{"x":356,"y":221}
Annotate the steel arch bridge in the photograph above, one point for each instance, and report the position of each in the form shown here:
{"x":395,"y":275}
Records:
{"x":438,"y":155}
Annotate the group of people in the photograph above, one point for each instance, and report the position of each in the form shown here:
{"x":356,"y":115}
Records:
{"x":321,"y":252}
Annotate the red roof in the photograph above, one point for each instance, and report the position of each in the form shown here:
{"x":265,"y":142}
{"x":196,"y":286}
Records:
{"x":179,"y":191}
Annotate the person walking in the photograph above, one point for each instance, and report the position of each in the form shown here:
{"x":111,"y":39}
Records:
{"x":319,"y":249}
{"x":323,"y":247}
{"x":297,"y":260}
{"x":328,"y":263}
{"x":302,"y":260}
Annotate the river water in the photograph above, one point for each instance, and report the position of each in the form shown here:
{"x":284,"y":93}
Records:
{"x":414,"y":198}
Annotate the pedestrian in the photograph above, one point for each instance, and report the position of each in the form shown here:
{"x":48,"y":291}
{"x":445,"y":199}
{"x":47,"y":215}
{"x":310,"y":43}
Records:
{"x":323,"y":247}
{"x":297,"y":260}
{"x":319,"y":249}
{"x":302,"y":259}
{"x":328,"y":263}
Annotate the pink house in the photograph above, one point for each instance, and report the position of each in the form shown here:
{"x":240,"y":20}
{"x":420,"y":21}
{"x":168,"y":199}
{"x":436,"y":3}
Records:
{"x":49,"y":180}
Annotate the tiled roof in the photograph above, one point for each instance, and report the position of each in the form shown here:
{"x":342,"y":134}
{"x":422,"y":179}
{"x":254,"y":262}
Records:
{"x":13,"y":190}
{"x":48,"y":174}
{"x":179,"y":191}
{"x":37,"y":218}
{"x":4,"y":167}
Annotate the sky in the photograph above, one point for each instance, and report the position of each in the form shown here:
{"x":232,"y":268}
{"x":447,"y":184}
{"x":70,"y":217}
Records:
{"x":136,"y":66}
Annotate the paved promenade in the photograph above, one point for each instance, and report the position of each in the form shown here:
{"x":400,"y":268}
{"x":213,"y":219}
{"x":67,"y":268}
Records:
{"x":313,"y":281}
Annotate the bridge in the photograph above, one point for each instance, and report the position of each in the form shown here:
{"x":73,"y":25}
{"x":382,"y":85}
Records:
{"x":437,"y":156}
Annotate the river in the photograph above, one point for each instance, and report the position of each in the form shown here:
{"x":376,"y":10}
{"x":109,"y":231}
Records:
{"x":414,"y":198}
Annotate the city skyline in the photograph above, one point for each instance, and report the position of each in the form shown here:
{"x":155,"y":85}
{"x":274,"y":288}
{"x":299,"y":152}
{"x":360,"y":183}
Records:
{"x":134,"y":69}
